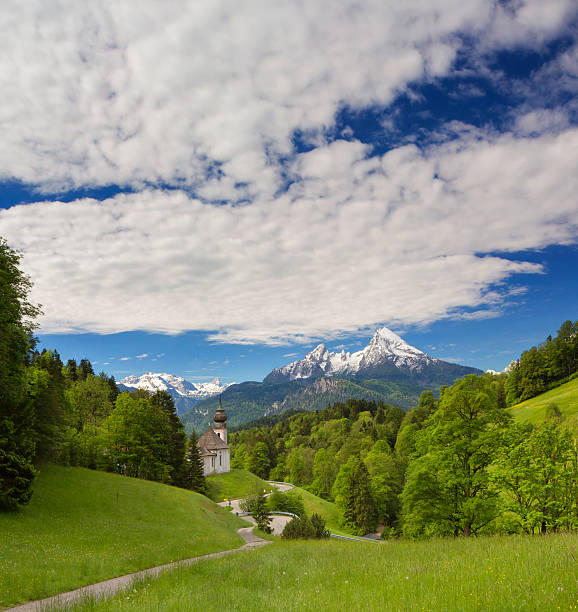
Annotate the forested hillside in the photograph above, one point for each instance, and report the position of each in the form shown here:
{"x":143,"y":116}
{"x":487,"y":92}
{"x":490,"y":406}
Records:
{"x":545,"y":366}
{"x":458,"y":465}
{"x":251,"y":400}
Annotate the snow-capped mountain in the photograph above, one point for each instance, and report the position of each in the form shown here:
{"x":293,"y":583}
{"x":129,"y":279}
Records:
{"x":386,"y":354}
{"x":178,"y":387}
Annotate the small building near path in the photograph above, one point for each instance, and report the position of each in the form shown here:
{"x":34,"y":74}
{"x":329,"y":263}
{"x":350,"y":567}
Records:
{"x":213,"y":447}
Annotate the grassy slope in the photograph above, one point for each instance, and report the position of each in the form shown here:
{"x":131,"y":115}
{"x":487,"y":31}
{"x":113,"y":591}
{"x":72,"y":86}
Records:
{"x":565,"y":397}
{"x":326,"y":509}
{"x":74,"y":532}
{"x":234,"y":485}
{"x":497,"y":573}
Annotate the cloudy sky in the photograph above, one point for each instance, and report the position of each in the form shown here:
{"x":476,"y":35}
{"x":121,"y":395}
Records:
{"x":211,"y":188}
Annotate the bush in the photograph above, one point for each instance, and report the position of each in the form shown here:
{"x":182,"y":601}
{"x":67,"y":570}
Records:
{"x":304,"y":528}
{"x":318,"y":523}
{"x":287,"y":502}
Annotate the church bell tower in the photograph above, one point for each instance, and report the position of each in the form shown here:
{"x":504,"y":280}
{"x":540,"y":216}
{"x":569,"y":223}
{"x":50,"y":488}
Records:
{"x":220,"y":418}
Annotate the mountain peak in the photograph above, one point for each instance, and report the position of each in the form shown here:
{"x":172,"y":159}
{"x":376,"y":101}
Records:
{"x":385,"y":351}
{"x":317,"y":353}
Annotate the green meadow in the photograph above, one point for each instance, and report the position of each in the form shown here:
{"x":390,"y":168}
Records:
{"x":84,"y":526}
{"x":493,"y":574}
{"x":535,"y":410}
{"x":234,"y":485}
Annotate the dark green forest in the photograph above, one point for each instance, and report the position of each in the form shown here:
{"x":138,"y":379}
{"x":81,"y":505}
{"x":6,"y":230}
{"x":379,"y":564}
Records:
{"x":451,"y":465}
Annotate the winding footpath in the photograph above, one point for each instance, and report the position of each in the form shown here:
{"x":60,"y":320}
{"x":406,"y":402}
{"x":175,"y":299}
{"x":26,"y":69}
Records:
{"x":112,"y":586}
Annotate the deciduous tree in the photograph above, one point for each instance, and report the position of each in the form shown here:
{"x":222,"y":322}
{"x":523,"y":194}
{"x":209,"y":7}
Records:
{"x":17,"y":438}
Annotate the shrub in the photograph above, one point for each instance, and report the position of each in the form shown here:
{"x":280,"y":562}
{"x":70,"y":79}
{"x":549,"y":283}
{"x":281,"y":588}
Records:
{"x":318,"y":523}
{"x":287,"y":502}
{"x":304,"y":528}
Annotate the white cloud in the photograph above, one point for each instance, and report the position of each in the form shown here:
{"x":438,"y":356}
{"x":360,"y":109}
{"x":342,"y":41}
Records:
{"x":125,"y":358}
{"x":142,"y":356}
{"x":102,"y":93}
{"x":207,"y":97}
{"x":399,"y":239}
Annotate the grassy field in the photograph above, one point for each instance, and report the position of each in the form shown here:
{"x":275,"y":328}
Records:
{"x":234,"y":485}
{"x":498,"y":573}
{"x":84,"y":526}
{"x":565,"y":397}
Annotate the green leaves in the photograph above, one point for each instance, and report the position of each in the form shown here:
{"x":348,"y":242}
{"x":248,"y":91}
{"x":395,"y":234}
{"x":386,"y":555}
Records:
{"x":448,"y":490}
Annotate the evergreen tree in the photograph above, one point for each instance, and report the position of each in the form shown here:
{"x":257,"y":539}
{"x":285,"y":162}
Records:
{"x":359,"y":511}
{"x":260,"y":513}
{"x":176,"y":442}
{"x":71,"y":371}
{"x":84,"y":369}
{"x":17,"y":438}
{"x":195,"y":478}
{"x":49,"y":405}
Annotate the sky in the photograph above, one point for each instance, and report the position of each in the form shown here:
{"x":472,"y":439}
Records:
{"x":212,"y":189}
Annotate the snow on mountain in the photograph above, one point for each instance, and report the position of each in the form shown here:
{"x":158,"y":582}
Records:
{"x":385,"y":349}
{"x":175,"y":385}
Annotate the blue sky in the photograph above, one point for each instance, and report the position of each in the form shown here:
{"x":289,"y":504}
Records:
{"x":206,"y":192}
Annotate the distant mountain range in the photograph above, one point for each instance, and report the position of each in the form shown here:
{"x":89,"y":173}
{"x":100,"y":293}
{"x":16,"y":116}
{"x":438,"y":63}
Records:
{"x":387,"y":369}
{"x":185,"y":394}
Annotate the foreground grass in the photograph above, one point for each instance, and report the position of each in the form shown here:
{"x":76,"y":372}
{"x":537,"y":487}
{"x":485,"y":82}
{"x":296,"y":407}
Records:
{"x":76,"y":531}
{"x":497,"y":573}
{"x":234,"y":485}
{"x":565,"y":397}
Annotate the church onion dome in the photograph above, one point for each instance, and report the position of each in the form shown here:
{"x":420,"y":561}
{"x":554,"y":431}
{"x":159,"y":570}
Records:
{"x":220,"y":415}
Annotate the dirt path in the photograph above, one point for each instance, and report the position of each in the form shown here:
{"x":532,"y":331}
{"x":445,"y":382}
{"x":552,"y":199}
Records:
{"x":110,"y":587}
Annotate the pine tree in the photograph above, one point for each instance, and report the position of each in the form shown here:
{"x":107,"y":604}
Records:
{"x":195,"y":477}
{"x":359,"y":511}
{"x":176,"y":442}
{"x":260,"y":513}
{"x":84,"y":369}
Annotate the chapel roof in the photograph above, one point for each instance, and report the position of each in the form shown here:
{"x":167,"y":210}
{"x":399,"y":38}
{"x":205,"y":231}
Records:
{"x":211,"y":441}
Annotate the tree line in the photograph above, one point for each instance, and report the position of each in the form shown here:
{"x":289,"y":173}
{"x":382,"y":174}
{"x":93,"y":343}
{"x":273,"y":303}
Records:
{"x":50,"y":411}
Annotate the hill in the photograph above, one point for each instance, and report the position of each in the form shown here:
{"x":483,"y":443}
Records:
{"x":250,"y":401}
{"x":84,"y":526}
{"x":537,"y":409}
